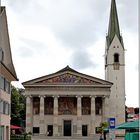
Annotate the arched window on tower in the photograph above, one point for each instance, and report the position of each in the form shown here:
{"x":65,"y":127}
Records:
{"x":116,"y":58}
{"x":116,"y":61}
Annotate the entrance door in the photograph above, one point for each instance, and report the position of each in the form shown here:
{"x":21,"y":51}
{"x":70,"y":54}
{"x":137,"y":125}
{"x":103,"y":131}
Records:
{"x":84,"y":130}
{"x":50,"y":130}
{"x":67,"y":127}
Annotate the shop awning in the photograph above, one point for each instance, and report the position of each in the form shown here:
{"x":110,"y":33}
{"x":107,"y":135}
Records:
{"x":129,"y":125}
{"x":15,"y":127}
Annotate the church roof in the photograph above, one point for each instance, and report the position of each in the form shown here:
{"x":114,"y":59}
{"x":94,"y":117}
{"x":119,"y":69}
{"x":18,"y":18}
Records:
{"x":67,"y":77}
{"x":5,"y":50}
{"x":113,"y":28}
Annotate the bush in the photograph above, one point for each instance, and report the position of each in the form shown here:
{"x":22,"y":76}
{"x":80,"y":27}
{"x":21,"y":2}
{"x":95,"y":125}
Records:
{"x":20,"y":137}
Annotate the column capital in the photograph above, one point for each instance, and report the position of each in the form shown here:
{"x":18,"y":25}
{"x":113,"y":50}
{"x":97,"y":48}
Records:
{"x":55,"y":96}
{"x":28,"y":96}
{"x":79,"y":96}
{"x":41,"y":96}
{"x":93,"y":96}
{"x":105,"y":96}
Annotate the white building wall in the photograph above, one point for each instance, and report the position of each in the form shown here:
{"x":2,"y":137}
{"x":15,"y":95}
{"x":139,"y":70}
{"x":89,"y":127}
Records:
{"x":117,"y":77}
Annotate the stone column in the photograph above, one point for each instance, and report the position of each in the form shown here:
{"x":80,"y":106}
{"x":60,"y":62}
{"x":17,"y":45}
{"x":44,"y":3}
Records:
{"x":42,"y":122}
{"x":55,"y":121}
{"x":93,"y":118}
{"x":79,"y":117}
{"x":29,"y":114}
{"x":105,"y":108}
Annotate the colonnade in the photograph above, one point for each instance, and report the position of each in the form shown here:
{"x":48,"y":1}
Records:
{"x":29,"y":114}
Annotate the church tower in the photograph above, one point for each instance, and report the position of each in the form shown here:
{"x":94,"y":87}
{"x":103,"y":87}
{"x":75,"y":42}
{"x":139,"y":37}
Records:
{"x":115,"y":66}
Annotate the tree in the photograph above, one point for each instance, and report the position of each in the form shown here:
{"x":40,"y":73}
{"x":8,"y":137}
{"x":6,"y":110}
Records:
{"x":102,"y":126}
{"x":17,"y":107}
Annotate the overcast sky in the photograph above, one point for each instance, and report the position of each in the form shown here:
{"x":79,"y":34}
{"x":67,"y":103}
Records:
{"x":47,"y":35}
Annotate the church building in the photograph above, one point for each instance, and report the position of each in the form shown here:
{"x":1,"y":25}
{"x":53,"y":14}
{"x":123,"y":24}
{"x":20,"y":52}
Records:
{"x":68,"y":103}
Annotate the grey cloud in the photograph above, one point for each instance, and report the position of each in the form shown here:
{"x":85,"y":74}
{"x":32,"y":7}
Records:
{"x":81,"y":60}
{"x":31,"y":47}
{"x":18,"y":5}
{"x":76,"y":24}
{"x":24,"y":52}
{"x":131,"y":10}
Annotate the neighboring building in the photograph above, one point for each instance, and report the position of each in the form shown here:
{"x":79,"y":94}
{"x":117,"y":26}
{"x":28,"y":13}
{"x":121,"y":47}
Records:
{"x":132,"y":114}
{"x":7,"y":74}
{"x":70,"y":103}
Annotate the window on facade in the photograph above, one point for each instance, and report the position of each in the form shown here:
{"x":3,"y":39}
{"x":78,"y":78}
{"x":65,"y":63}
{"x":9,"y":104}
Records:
{"x":98,"y":105}
{"x":86,"y":106}
{"x":116,"y":58}
{"x":2,"y":82}
{"x":1,"y":106}
{"x":50,"y":130}
{"x":105,"y":60}
{"x":35,"y":130}
{"x":7,"y":86}
{"x":48,"y":106}
{"x":2,"y":132}
{"x":1,"y":55}
{"x":6,"y":108}
{"x":36,"y":105}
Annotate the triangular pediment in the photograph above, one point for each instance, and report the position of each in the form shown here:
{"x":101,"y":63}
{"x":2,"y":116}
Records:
{"x":67,"y":76}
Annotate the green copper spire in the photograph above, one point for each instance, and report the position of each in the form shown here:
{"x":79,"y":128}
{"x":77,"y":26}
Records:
{"x":113,"y":28}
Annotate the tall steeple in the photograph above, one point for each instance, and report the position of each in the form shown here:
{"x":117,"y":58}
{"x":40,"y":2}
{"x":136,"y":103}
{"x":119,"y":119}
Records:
{"x":113,"y":28}
{"x":115,"y":66}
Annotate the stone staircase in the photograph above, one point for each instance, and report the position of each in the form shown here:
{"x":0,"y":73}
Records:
{"x":96,"y":137}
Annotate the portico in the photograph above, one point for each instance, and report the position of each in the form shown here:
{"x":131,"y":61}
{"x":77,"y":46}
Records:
{"x":63,"y":108}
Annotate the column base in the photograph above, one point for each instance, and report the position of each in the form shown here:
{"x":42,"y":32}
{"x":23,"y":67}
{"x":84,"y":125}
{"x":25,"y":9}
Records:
{"x":92,"y":134}
{"x":79,"y":135}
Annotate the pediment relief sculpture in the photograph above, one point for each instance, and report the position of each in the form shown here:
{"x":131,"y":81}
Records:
{"x":68,"y":78}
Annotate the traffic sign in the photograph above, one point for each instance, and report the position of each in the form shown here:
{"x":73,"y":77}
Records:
{"x":111,"y":122}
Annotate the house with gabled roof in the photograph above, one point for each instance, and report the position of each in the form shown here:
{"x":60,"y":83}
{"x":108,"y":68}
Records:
{"x":7,"y":74}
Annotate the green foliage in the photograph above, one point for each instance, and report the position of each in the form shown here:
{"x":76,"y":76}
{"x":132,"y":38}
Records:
{"x":17,"y":106}
{"x":20,"y":137}
{"x":102,"y":126}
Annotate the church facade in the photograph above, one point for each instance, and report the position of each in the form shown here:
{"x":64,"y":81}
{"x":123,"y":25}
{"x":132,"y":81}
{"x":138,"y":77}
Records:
{"x":70,"y":103}
{"x":66,"y":103}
